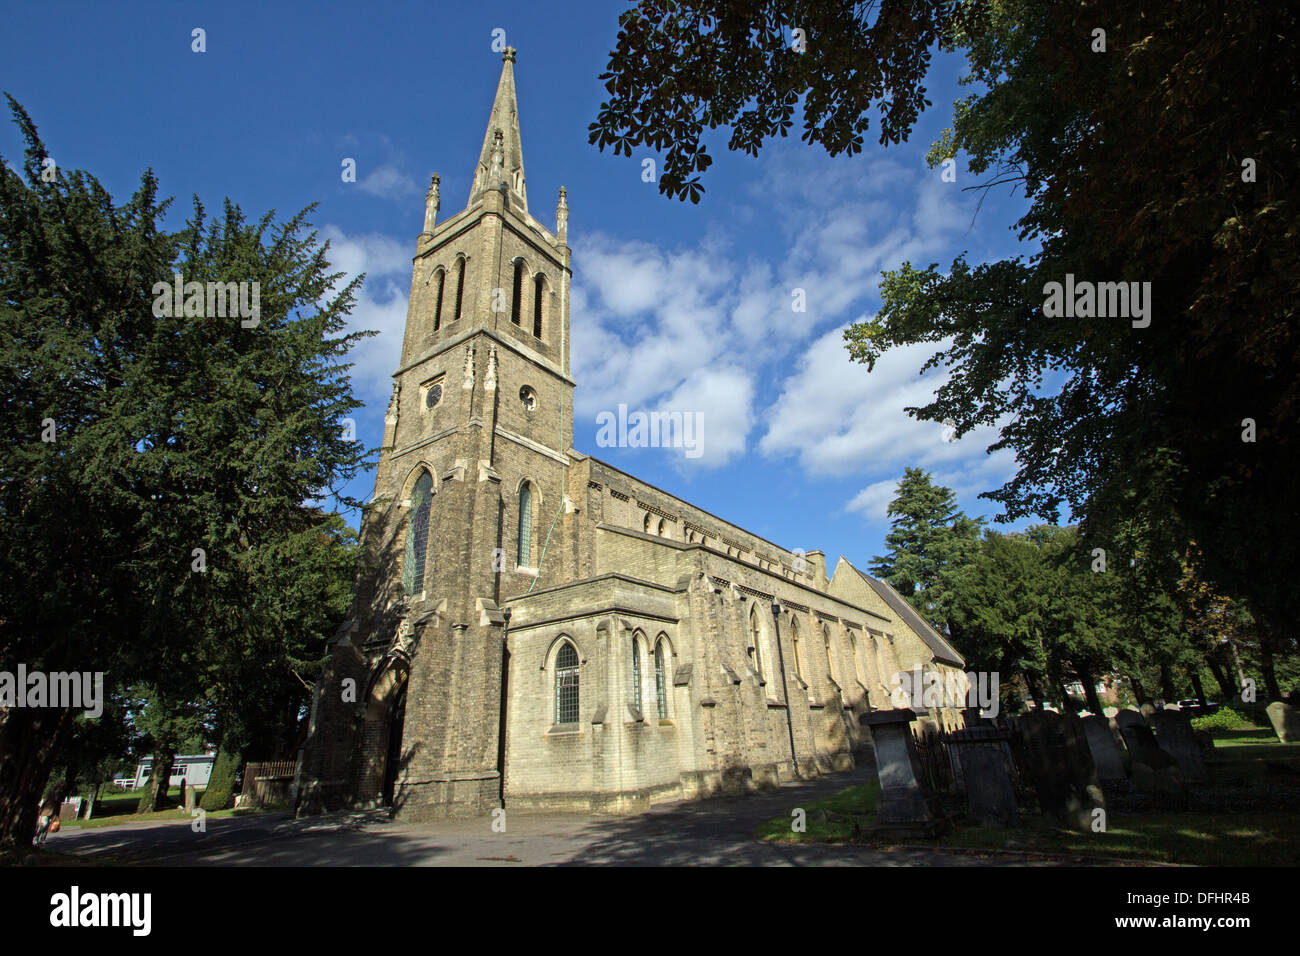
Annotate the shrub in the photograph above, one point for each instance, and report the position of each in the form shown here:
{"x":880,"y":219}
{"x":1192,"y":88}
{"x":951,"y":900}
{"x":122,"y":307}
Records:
{"x":220,"y":794}
{"x":1225,"y":718}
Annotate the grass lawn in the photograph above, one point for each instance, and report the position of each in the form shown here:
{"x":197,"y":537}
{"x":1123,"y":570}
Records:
{"x":1197,"y":838}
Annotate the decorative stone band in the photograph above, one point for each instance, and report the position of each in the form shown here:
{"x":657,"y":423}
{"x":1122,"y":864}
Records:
{"x":619,"y":495}
{"x":659,"y":511}
{"x":596,"y":485}
{"x":790,"y":605}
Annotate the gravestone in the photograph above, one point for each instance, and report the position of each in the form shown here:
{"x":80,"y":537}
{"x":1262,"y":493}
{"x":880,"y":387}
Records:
{"x":904,"y":808}
{"x":1151,"y":768}
{"x":1104,"y":748}
{"x":1128,"y":718}
{"x":1285,"y":721}
{"x":1060,"y":767}
{"x":1148,"y":711}
{"x":990,"y":793}
{"x":1174,"y":736}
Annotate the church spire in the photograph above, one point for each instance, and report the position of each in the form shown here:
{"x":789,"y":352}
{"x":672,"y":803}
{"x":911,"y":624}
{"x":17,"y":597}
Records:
{"x":502,"y":158}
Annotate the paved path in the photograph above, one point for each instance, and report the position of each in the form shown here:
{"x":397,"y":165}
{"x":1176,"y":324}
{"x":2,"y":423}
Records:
{"x":705,"y":832}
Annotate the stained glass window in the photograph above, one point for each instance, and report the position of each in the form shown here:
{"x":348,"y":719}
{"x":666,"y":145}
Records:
{"x":417,"y":535}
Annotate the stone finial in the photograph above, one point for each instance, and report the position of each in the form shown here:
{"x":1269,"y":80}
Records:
{"x":562,"y":216}
{"x":509,"y":55}
{"x":490,"y":380}
{"x":431,"y":202}
{"x":468,"y":381}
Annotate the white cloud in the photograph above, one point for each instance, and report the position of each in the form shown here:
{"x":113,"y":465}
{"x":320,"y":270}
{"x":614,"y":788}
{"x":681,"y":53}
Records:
{"x":388,"y":182}
{"x":380,"y":306}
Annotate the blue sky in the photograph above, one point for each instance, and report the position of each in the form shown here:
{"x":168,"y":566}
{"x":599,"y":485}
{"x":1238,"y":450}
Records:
{"x":675,"y":307}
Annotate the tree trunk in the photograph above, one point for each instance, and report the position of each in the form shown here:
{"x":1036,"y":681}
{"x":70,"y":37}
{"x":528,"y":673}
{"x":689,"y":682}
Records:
{"x":1034,"y":693}
{"x":159,"y":774}
{"x":1220,"y":673}
{"x":1195,"y":678}
{"x":1167,"y":689}
{"x":1090,"y":690}
{"x":29,"y":742}
{"x":1139,"y":692}
{"x":1266,"y":666}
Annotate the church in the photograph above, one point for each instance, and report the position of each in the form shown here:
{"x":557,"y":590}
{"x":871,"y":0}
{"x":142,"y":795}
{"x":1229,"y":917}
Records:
{"x":534,"y":628}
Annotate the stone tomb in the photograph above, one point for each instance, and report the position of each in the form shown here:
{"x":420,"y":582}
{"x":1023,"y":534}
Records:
{"x":905,"y":808}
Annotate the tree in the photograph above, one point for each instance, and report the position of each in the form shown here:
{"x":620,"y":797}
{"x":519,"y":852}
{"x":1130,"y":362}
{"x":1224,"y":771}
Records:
{"x":931,"y":539}
{"x":1167,"y":161}
{"x":1164,"y":152}
{"x":186,"y":445}
{"x":681,"y":67}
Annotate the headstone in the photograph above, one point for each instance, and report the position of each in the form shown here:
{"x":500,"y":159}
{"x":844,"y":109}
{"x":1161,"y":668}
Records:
{"x":1060,"y":767}
{"x":904,"y":806}
{"x":989,"y":790}
{"x":1148,"y":710}
{"x":1128,"y":718}
{"x":1105,"y":750}
{"x":1152,"y":769}
{"x":1174,"y":736}
{"x":1205,"y":741}
{"x":1285,"y":721}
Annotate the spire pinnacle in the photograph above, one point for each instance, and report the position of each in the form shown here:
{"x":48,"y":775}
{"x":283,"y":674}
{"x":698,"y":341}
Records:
{"x":501,"y":161}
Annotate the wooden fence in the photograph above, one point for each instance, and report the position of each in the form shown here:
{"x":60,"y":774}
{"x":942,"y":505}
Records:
{"x":267,"y":782}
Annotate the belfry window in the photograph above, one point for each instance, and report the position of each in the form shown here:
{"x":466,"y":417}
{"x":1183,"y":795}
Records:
{"x":519,"y":292}
{"x":526,"y":526}
{"x":441,"y":279}
{"x":539,"y":293}
{"x":566,"y":685}
{"x":460,"y":286}
{"x":417,"y":535}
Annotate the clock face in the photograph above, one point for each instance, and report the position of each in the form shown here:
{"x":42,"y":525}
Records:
{"x":433,"y":396}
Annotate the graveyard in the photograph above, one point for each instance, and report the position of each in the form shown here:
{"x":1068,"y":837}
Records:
{"x":1140,"y":787}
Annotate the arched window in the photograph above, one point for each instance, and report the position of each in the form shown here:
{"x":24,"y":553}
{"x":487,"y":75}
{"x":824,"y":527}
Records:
{"x":566,"y":685}
{"x":756,"y":640}
{"x":460,"y":286}
{"x":661,"y":680}
{"x":526,"y":526}
{"x":830,"y":658}
{"x":794,"y":642}
{"x":636,"y":675}
{"x":519,"y":291}
{"x":417,"y":535}
{"x":539,"y":294}
{"x":646,"y":524}
{"x":441,"y":278}
{"x":662,"y":526}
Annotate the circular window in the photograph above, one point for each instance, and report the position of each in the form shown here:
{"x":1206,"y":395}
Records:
{"x":433,"y":396}
{"x":528,"y":397}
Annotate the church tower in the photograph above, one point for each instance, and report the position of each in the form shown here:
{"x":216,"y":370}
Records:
{"x":470,"y":485}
